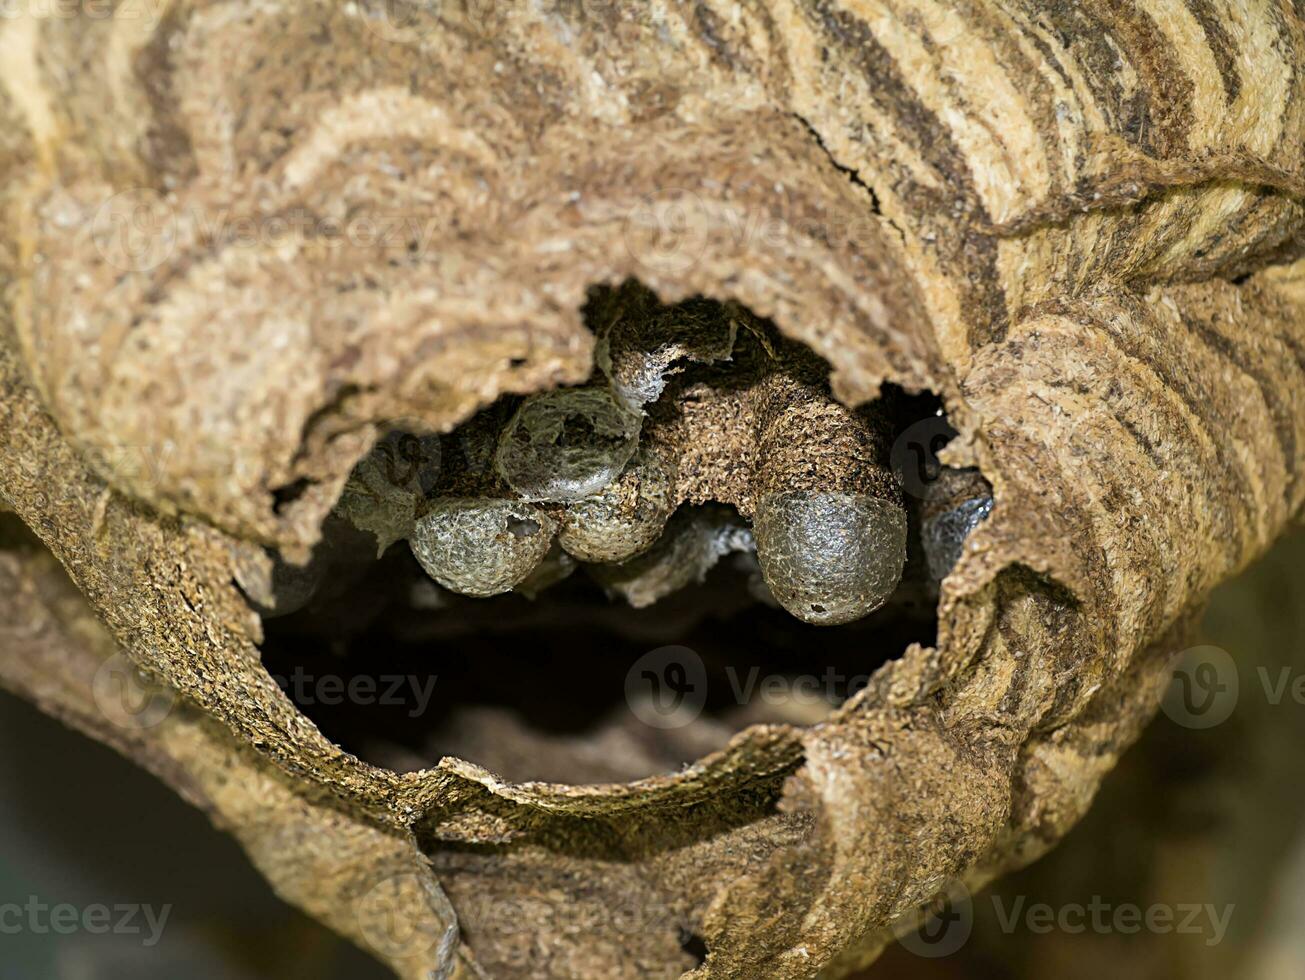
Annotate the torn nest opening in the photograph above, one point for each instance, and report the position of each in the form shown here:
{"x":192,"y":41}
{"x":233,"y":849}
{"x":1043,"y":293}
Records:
{"x":702,"y":508}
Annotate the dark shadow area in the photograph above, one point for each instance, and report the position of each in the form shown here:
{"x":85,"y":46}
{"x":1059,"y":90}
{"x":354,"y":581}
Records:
{"x":81,"y":825}
{"x":563,"y":680}
{"x":563,"y":665}
{"x":568,"y":682}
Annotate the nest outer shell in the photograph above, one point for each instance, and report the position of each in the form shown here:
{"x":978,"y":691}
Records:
{"x":1082,"y":237}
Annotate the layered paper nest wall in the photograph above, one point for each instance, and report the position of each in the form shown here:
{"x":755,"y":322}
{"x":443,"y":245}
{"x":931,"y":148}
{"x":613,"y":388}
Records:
{"x":1076,"y":223}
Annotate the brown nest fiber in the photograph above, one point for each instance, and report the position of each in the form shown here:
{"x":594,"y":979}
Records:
{"x":242,"y":237}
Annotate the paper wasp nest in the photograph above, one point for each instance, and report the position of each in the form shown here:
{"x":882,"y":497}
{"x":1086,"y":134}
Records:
{"x":630,"y":308}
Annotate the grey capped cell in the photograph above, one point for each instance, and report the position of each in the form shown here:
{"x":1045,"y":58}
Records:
{"x":944,"y":534}
{"x":624,"y":518}
{"x":567,"y":444}
{"x":830,"y":558}
{"x":481,"y":547}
